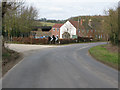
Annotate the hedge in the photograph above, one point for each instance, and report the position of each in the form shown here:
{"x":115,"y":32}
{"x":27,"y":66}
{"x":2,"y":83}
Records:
{"x":67,"y":41}
{"x":28,"y":40}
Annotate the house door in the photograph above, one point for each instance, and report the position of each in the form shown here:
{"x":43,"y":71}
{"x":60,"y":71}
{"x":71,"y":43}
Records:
{"x":65,"y":35}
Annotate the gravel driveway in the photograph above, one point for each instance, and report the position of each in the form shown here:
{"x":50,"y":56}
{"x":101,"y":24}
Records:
{"x":27,"y":47}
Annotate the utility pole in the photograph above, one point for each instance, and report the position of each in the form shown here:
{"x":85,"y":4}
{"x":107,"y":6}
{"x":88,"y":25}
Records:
{"x":78,"y":29}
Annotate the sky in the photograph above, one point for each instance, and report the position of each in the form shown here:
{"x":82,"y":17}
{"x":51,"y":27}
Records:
{"x":64,"y":9}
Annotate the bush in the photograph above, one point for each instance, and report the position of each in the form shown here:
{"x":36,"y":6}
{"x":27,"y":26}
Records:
{"x":27,"y":40}
{"x":85,"y":39}
{"x":19,"y":39}
{"x":67,"y":41}
{"x":14,"y":39}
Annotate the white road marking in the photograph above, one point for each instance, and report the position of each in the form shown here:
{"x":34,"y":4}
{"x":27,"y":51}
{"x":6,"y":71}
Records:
{"x":84,"y":47}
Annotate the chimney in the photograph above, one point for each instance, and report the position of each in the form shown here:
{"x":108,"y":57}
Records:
{"x":78,"y":20}
{"x":90,"y":23}
{"x":81,"y":22}
{"x":78,"y":23}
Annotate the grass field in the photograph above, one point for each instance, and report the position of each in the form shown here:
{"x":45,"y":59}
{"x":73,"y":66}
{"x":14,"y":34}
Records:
{"x":101,"y":54}
{"x":45,"y":24}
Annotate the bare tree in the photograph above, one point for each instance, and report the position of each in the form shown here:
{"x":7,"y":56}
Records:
{"x":6,"y":7}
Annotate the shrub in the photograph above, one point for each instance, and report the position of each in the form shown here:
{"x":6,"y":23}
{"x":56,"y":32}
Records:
{"x":27,"y":40}
{"x":67,"y":41}
{"x":84,"y":39}
{"x":19,"y":39}
{"x":14,"y":38}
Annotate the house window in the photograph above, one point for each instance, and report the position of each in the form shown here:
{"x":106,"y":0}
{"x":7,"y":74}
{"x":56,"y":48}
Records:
{"x":57,"y":29}
{"x":91,"y":30}
{"x":78,"y":30}
{"x":96,"y":36}
{"x":87,"y":31}
{"x":82,"y":31}
{"x":53,"y":29}
{"x":99,"y":36}
{"x":74,"y":36}
{"x":104,"y":36}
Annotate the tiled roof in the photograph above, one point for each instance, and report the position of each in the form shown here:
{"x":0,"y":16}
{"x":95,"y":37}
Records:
{"x":57,"y":25}
{"x":75,"y":24}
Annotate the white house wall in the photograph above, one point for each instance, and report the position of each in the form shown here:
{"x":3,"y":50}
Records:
{"x":67,"y":27}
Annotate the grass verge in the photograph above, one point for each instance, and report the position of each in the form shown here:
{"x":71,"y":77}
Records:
{"x":102,"y":54}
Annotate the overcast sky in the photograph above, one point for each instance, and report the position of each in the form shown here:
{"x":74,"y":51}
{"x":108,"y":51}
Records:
{"x":64,"y":9}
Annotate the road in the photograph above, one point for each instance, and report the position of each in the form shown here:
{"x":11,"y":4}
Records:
{"x":67,"y":66}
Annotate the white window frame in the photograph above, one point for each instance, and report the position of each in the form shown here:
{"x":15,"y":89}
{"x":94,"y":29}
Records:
{"x":53,"y":29}
{"x":57,"y":29}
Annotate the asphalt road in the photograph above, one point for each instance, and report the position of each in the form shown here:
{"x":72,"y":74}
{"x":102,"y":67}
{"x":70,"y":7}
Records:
{"x":63,"y":67}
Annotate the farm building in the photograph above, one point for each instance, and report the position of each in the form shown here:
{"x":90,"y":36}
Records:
{"x":56,"y":30}
{"x":41,"y":32}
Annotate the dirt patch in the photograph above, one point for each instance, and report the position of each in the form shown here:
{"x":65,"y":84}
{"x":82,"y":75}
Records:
{"x":9,"y":59}
{"x":111,"y":48}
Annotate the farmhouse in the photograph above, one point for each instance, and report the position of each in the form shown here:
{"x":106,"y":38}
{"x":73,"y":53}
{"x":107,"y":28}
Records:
{"x":72,"y":29}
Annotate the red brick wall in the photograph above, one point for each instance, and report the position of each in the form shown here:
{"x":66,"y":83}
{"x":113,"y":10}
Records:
{"x":91,"y":33}
{"x":100,"y":33}
{"x":56,"y":32}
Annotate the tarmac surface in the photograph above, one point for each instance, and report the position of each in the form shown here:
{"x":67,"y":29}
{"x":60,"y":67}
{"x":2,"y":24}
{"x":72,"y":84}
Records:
{"x":68,"y":66}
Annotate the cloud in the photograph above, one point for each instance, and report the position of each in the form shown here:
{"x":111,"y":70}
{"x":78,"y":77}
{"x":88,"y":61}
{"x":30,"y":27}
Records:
{"x":64,"y":9}
{"x":55,"y":1}
{"x":55,"y":9}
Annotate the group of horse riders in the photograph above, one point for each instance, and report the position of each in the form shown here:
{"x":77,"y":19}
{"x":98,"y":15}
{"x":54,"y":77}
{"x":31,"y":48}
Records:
{"x":53,"y":39}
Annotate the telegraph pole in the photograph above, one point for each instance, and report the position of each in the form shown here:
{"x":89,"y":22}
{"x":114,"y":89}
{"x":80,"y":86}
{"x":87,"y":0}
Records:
{"x":78,"y":29}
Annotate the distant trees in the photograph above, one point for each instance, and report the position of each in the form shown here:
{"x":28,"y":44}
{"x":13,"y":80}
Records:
{"x":18,"y":19}
{"x":52,"y":21}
